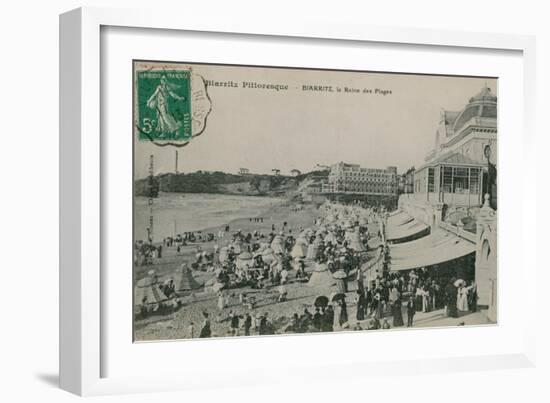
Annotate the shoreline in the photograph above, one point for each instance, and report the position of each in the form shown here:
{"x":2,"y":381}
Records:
{"x":276,"y":214}
{"x":254,"y":211}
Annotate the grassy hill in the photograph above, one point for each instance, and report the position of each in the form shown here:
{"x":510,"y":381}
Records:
{"x":221,"y":182}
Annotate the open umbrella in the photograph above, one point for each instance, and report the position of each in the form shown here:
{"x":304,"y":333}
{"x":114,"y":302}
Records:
{"x":331,"y":238}
{"x":298,"y":251}
{"x":244,"y":259}
{"x":321,"y":301}
{"x":218,"y":286}
{"x":338,"y":297}
{"x":340,"y":275}
{"x":211,"y":282}
{"x":458,"y":282}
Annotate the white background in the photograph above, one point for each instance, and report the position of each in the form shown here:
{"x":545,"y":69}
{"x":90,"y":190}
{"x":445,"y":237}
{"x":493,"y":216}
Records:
{"x":281,"y":354}
{"x":29,"y":123}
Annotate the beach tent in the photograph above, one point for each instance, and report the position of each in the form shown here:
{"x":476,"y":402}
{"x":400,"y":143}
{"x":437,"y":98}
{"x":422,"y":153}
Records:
{"x":318,"y":240}
{"x":340,"y":278}
{"x":355,"y":241}
{"x":245,"y":259}
{"x":277,"y":245}
{"x":298,"y":251}
{"x":321,"y":277}
{"x":213,"y":285}
{"x":224,"y":254}
{"x":331,"y":237}
{"x":184,"y":279}
{"x":312,"y":251}
{"x":147,"y":291}
{"x":268,"y":256}
{"x":347,"y":224}
{"x":264,"y":246}
{"x":237,"y":245}
{"x":302,"y":241}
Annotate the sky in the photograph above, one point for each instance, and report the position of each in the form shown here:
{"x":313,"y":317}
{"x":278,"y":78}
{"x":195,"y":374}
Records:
{"x":262,"y":129}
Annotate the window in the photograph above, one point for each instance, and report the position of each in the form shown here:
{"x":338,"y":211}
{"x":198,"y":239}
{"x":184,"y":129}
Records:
{"x":447,"y":179}
{"x":460,"y":180}
{"x":474,"y":180}
{"x":431,"y":180}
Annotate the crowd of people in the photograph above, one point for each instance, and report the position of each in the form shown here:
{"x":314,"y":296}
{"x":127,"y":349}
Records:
{"x":266,"y":263}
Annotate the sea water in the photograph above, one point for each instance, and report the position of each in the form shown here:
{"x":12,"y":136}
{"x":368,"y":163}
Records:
{"x":176,"y":213}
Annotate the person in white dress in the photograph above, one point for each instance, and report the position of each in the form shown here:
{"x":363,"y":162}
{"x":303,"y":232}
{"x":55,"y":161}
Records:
{"x":221,"y":301}
{"x":462,"y":298}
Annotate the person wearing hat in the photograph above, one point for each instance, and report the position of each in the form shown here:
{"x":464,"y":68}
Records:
{"x":411,"y":310}
{"x":396,"y":310}
{"x":234,"y":323}
{"x":205,"y":330}
{"x":317,"y":319}
{"x":264,"y":324}
{"x":473,"y":297}
{"x":327,"y":322}
{"x":451,"y":295}
{"x":247,"y":324}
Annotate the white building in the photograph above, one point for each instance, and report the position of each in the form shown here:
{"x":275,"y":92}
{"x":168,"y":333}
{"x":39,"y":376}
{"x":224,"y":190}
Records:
{"x":354,"y":179}
{"x":455,"y":172}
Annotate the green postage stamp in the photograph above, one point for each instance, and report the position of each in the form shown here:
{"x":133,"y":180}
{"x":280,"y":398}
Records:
{"x":164,"y":105}
{"x":171,"y":103}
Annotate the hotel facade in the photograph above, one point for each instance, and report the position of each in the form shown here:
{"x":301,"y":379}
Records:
{"x":347,"y":178}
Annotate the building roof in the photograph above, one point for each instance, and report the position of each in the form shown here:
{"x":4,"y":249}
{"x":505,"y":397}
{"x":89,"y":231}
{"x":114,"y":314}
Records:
{"x":452,"y":159}
{"x":456,"y":159}
{"x":483,"y":104}
{"x":450,"y":118}
{"x":484,"y":95}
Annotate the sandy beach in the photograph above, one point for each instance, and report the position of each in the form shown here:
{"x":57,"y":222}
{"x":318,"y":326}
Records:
{"x":175,"y":325}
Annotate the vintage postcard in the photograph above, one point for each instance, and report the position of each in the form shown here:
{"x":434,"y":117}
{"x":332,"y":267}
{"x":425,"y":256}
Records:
{"x":272,"y":201}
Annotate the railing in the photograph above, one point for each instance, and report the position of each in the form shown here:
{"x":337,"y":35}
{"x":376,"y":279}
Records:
{"x":461,"y":232}
{"x":373,"y":267}
{"x":458,"y":199}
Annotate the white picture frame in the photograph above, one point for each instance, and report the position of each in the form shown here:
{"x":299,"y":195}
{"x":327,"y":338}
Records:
{"x":83,"y":306}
